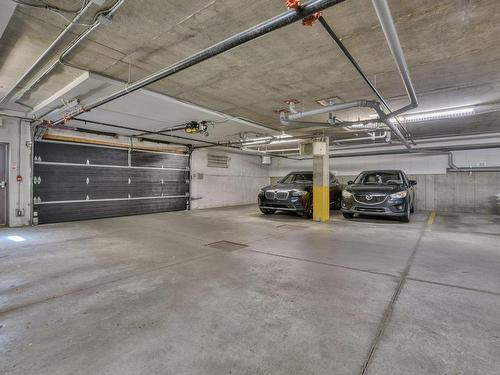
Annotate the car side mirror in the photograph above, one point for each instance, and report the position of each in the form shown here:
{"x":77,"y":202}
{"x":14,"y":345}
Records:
{"x":413,"y":182}
{"x":349,"y":182}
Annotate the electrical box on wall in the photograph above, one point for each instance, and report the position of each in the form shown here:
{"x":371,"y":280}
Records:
{"x":266,"y":160}
{"x":319,"y":148}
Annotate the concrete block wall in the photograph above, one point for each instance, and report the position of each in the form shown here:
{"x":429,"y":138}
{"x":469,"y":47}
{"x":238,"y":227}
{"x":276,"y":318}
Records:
{"x":16,"y":134}
{"x":217,"y":187}
{"x":458,"y":192}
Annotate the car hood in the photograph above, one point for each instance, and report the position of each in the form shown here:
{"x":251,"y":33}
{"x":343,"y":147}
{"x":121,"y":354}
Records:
{"x":386,"y":189}
{"x":280,"y":186}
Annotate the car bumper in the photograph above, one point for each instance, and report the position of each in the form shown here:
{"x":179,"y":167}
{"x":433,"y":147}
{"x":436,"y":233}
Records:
{"x":289,"y":205}
{"x":393,"y":208}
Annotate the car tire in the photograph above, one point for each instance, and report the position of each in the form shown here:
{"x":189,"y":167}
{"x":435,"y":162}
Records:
{"x":336,"y":205}
{"x":267,"y":211}
{"x":348,"y":215}
{"x":308,"y":213}
{"x":406,"y":218}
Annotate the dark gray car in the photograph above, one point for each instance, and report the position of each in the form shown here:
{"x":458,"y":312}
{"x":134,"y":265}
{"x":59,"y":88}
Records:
{"x":382,"y":193}
{"x":295,"y":193}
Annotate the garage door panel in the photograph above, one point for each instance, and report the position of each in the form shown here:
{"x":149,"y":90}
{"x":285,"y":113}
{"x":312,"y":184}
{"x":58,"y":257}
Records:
{"x":60,"y":182}
{"x":158,"y":160}
{"x":53,"y":213}
{"x":79,"y":154}
{"x":64,"y":182}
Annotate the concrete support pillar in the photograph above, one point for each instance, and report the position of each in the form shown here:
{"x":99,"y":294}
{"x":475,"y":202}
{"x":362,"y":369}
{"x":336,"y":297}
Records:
{"x":321,"y":181}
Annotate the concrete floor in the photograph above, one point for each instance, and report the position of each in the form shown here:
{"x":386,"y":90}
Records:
{"x":145,"y":295}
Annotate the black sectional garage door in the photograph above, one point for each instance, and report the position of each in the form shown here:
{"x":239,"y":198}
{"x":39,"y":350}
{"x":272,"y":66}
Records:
{"x":78,"y":182}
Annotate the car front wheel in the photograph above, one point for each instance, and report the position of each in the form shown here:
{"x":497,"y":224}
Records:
{"x":267,"y":211}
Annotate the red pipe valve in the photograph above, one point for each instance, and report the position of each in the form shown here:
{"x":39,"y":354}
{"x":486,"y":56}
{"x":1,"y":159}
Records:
{"x":309,"y":21}
{"x":293,"y":4}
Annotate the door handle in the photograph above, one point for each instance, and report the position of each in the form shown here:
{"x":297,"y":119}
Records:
{"x":3,"y":184}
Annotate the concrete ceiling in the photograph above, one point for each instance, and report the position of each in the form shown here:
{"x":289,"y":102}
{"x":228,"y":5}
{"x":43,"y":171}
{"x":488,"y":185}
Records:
{"x":450,"y":45}
{"x":142,"y":109}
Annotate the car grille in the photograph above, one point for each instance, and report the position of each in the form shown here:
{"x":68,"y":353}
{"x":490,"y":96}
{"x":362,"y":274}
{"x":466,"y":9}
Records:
{"x":282,"y":195}
{"x":279,"y":195}
{"x":370,"y":198}
{"x":270,"y":195}
{"x":366,"y":209}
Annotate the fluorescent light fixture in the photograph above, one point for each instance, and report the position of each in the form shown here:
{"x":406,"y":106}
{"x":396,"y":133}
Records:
{"x":16,"y":238}
{"x":435,"y":115}
{"x":373,"y":115}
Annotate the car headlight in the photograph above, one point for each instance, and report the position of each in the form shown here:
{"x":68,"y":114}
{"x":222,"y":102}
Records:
{"x":399,"y":195}
{"x":346,"y":194}
{"x":298,"y":193}
{"x":261,"y":192}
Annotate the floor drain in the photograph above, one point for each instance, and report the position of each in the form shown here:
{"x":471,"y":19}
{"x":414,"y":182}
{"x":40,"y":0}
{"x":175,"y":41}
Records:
{"x":226,"y":245}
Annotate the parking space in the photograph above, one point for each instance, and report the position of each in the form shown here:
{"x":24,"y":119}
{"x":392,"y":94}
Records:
{"x":296,"y":297}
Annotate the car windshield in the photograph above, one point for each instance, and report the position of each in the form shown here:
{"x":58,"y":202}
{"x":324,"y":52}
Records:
{"x":379,"y":178}
{"x":297,"y":178}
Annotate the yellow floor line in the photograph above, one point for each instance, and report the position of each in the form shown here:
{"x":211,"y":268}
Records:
{"x":432,"y":216}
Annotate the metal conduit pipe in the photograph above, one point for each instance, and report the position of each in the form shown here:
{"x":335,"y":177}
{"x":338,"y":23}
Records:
{"x":374,"y":137}
{"x":386,"y":21}
{"x":236,"y":40}
{"x":285,"y":119}
{"x":46,"y":52}
{"x":354,"y":63}
{"x":451,"y":161}
{"x":385,"y":119}
{"x":74,"y":43}
{"x":304,"y":124}
{"x":327,"y":109}
{"x":2,"y":114}
{"x":367,"y":104}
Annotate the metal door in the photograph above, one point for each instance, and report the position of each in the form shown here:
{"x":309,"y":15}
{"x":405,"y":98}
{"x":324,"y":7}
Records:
{"x":81,"y":181}
{"x":3,"y":184}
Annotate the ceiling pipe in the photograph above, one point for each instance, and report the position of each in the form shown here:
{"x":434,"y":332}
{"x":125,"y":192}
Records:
{"x":3,"y":114}
{"x":275,"y":23}
{"x":326,"y":109}
{"x":373,"y":137}
{"x":385,"y":119}
{"x":164,"y":133}
{"x":355,"y":64}
{"x":358,"y":103}
{"x":387,"y":22}
{"x":46,"y":52}
{"x":74,"y":43}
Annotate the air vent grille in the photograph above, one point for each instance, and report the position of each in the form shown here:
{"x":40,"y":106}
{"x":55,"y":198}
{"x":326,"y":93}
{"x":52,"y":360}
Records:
{"x":218,"y":161}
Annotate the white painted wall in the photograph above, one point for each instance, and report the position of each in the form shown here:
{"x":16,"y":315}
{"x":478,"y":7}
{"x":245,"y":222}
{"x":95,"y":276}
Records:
{"x":238,"y":184}
{"x":415,"y":164}
{"x":489,"y":157}
{"x":18,"y":192}
{"x":351,"y":166}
